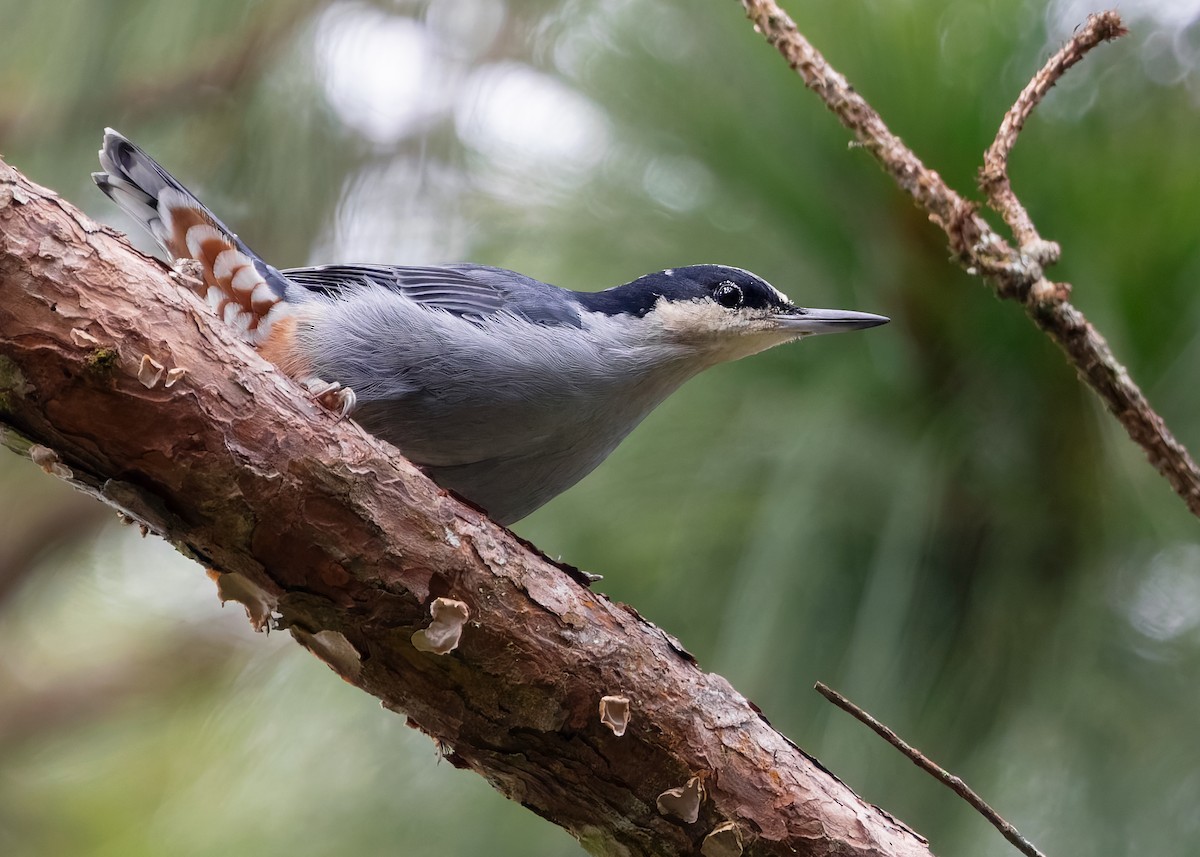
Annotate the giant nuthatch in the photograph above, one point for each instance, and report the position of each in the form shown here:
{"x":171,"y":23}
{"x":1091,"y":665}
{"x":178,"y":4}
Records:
{"x":502,"y":388}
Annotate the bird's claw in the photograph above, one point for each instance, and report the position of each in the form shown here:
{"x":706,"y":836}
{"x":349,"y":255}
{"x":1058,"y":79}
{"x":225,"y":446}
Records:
{"x":332,"y":395}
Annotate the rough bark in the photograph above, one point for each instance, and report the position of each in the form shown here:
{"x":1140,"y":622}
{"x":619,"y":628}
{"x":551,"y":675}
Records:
{"x":348,"y":545}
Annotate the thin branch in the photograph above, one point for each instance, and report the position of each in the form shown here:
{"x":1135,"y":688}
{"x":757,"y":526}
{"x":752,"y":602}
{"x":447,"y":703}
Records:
{"x":993,"y":178}
{"x":923,"y":762}
{"x":311,"y":520}
{"x":945,"y":207}
{"x":1013,"y":274}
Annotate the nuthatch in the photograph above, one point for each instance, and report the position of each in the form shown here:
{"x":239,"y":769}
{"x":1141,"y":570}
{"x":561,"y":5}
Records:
{"x":503,"y":389}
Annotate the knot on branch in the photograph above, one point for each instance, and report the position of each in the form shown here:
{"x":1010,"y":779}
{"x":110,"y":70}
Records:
{"x":992,"y":177}
{"x":1044,"y":293}
{"x":1043,"y":252}
{"x":964,"y":230}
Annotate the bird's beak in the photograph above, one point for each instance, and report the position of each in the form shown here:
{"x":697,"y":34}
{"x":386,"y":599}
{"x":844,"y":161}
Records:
{"x":802,"y":321}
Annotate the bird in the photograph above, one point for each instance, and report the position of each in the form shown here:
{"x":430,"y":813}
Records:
{"x":503,"y":389}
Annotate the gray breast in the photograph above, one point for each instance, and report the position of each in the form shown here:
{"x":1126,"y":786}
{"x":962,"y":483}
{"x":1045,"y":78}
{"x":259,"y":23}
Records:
{"x":505,"y":411}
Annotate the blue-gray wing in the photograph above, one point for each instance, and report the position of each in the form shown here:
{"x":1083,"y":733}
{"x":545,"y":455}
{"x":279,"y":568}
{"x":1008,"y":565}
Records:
{"x":472,"y":292}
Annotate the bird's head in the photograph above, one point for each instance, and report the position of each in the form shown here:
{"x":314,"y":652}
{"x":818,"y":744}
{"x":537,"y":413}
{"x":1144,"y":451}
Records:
{"x":723,"y":313}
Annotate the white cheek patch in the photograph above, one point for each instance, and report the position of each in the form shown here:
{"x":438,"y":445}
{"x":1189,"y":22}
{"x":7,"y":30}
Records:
{"x":720,"y":334}
{"x":705,"y":319}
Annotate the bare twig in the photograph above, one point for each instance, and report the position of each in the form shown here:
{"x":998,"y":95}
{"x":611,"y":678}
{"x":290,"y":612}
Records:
{"x":1012,"y":273}
{"x":993,"y":178}
{"x":945,"y":207}
{"x":922,"y":761}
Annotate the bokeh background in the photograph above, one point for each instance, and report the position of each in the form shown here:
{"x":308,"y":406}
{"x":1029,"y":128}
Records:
{"x":934,"y":517}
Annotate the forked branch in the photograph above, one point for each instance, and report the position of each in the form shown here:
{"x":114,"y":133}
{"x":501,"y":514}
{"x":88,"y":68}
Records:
{"x":993,"y":177}
{"x":1014,"y":273}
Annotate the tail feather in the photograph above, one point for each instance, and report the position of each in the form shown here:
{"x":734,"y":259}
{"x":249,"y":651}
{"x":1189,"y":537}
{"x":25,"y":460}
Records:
{"x":243,"y":289}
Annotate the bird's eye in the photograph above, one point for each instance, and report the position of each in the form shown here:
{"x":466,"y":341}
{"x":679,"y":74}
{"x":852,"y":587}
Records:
{"x":728,"y":295}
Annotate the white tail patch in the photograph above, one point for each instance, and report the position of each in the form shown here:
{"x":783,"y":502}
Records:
{"x":232,"y":282}
{"x":169,"y":201}
{"x":236,"y":290}
{"x":198,"y":235}
{"x":266,"y":321}
{"x":215,"y":298}
{"x":241,"y":322}
{"x":246,"y":279}
{"x":262,"y":298}
{"x":227,"y":263}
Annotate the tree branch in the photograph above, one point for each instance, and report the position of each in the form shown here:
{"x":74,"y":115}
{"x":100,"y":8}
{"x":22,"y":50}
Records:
{"x":993,"y":178}
{"x":1015,"y":274}
{"x":949,"y":780}
{"x":331,"y":531}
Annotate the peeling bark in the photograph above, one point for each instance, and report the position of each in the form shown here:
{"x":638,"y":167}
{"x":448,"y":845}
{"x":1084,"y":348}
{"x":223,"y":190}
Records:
{"x":328,"y":529}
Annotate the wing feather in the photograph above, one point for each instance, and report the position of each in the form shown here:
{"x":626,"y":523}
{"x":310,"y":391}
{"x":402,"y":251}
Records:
{"x":469,"y":291}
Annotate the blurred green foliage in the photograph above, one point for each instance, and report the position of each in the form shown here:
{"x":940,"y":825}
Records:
{"x":934,"y":517}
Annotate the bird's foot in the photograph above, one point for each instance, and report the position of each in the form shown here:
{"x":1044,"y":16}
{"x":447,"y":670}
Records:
{"x":332,"y":395}
{"x":189,"y":273}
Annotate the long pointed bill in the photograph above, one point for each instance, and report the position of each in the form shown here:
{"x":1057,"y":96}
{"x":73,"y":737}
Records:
{"x":809,"y":321}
